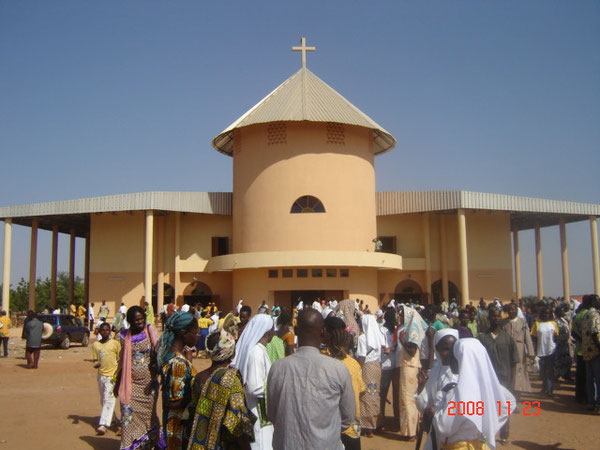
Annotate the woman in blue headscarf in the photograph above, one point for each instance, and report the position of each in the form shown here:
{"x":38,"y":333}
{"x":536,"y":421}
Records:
{"x":177,"y":374}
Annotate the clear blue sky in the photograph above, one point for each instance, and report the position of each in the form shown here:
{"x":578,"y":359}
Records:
{"x":113,"y":97}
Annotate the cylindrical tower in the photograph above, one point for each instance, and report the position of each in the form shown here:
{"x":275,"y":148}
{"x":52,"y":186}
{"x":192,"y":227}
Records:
{"x":304,"y":212}
{"x":303,"y":186}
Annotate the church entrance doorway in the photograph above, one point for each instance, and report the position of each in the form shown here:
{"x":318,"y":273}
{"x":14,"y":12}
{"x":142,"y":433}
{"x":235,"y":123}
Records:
{"x":290,"y":299}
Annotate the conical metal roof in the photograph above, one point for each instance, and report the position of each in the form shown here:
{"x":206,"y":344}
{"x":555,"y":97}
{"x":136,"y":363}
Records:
{"x":305,"y":97}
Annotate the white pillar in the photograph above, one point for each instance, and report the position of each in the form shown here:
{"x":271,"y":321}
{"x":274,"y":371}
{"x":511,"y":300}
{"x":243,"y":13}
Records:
{"x":427,"y":251}
{"x":595,"y":262}
{"x":160,"y":256}
{"x":444,"y":257}
{"x":32,"y":264}
{"x":86,"y":271}
{"x":564,"y":258}
{"x":148,"y":256}
{"x":72,"y":267}
{"x":53,"y":266}
{"x":176,"y":282}
{"x":517,"y":258}
{"x":539,"y":262}
{"x":462,"y":252}
{"x":6,"y":271}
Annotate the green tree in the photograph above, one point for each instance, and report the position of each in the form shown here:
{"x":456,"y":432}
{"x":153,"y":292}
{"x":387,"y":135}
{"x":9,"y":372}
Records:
{"x":19,"y":295}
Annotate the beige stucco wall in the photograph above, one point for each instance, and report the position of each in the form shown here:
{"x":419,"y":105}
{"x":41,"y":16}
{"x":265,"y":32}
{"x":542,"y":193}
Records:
{"x":489,"y":251}
{"x":408,"y":230}
{"x":267,"y":179}
{"x":253,"y":285}
{"x":117,"y":254}
{"x":197,"y":231}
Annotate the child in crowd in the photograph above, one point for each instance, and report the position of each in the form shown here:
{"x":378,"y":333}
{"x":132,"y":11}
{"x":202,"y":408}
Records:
{"x":105,"y":354}
{"x":544,"y":333}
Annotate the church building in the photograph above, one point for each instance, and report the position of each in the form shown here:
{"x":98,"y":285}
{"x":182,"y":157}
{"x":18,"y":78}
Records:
{"x":304,"y":221}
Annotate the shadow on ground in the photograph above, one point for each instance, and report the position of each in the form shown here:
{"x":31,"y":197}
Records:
{"x":533,"y":446}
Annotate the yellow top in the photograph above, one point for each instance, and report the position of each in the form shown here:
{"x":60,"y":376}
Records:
{"x":108,"y":355}
{"x":534,"y":328}
{"x":358,"y":385}
{"x":81,"y":312}
{"x":6,"y":324}
{"x":204,"y":322}
{"x":220,"y":323}
{"x":73,"y":310}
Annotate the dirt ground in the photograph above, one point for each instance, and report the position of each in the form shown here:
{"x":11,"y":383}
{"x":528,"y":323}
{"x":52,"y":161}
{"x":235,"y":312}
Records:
{"x":57,"y":407}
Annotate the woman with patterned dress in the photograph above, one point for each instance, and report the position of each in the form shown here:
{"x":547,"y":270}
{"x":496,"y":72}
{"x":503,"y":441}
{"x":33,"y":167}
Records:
{"x":177,"y":373}
{"x":410,"y":339}
{"x":221,"y":419}
{"x":368,"y":353}
{"x":137,"y":385}
{"x":562,"y":354}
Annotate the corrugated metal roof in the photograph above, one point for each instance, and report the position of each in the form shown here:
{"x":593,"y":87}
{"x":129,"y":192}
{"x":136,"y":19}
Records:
{"x":193,"y":202}
{"x":305,"y":97}
{"x":403,"y":202}
{"x":525,"y":212}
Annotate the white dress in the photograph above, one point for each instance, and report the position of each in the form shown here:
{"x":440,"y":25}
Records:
{"x":256,"y":379}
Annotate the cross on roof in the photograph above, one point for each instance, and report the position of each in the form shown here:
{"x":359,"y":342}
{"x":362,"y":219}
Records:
{"x":303,"y":48}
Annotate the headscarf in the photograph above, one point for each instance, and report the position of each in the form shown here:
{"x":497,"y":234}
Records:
{"x":253,"y":332}
{"x":415,"y":326}
{"x":477,"y":382}
{"x":345,"y":310}
{"x":178,"y":321}
{"x":230,"y":325}
{"x":224,"y":348}
{"x":439,"y":375}
{"x":374,"y":338}
{"x":326,"y":311}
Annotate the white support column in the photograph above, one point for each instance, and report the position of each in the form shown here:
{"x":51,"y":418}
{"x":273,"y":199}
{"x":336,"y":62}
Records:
{"x":6,"y":271}
{"x":427,"y":251}
{"x":72,"y":267}
{"x":595,"y":262}
{"x":33,"y":263}
{"x":444,"y":257}
{"x":517,"y":259}
{"x":539,"y":262}
{"x":160,"y":257}
{"x":86,"y":272}
{"x":462,"y":252}
{"x":176,"y":281}
{"x":564,"y":258}
{"x":148,"y":256}
{"x":53,"y":266}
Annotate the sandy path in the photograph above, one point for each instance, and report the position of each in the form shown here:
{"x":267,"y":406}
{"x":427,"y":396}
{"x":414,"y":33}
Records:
{"x":57,"y":407}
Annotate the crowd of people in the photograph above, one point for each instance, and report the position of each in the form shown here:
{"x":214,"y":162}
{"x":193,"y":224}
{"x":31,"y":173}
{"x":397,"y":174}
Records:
{"x":319,"y":376}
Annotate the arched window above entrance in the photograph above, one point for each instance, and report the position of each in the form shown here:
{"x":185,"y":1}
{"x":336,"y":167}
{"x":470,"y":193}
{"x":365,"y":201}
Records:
{"x":307,"y":204}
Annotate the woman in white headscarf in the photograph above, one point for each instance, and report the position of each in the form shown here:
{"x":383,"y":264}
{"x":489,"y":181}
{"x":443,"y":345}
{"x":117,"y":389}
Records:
{"x":430,"y":394}
{"x":467,"y":417}
{"x":410,"y":364}
{"x":368,"y":353}
{"x":252,"y":360}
